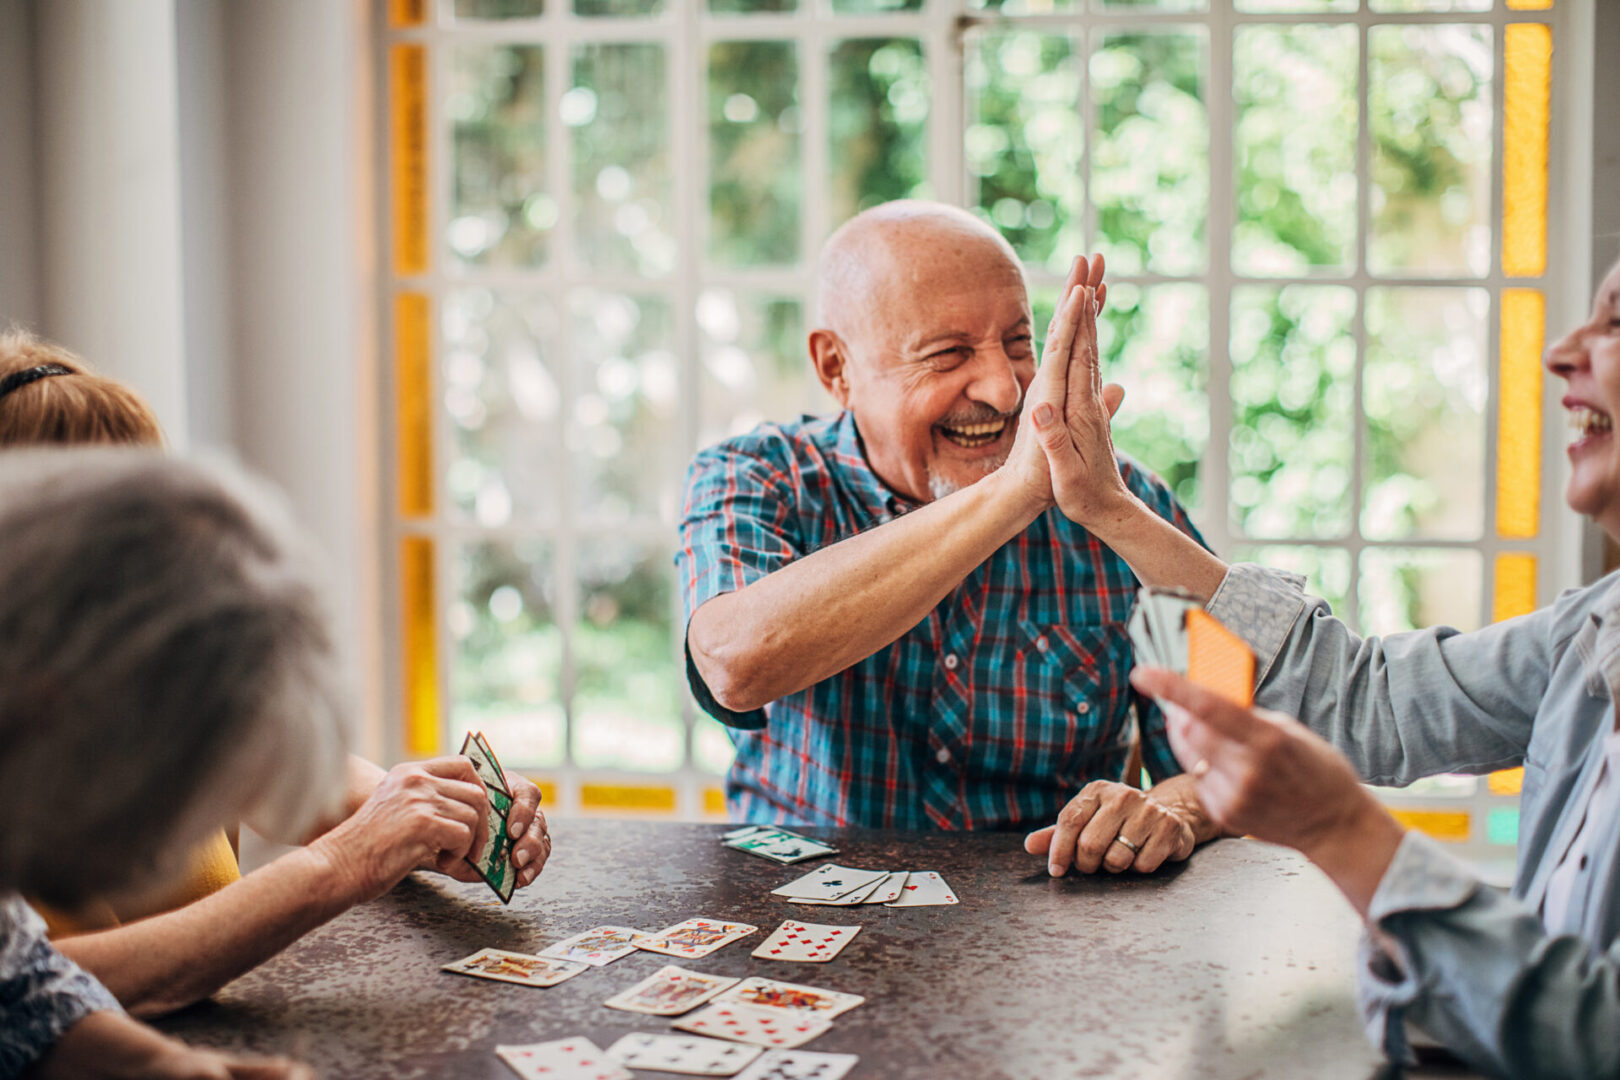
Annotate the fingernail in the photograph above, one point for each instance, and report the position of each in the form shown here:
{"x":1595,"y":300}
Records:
{"x":520,"y":859}
{"x":512,"y":830}
{"x":1053,"y":870}
{"x":1043,"y":414}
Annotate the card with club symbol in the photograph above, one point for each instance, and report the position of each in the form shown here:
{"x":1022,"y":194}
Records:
{"x":695,"y":938}
{"x":799,"y":1065}
{"x":690,"y":1054}
{"x":830,"y":882}
{"x":806,"y":943}
{"x":774,"y":1029}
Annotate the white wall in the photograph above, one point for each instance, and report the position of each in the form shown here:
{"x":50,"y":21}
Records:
{"x":19,"y":232}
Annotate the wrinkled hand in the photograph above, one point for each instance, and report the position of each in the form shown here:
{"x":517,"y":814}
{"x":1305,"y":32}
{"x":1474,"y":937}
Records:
{"x":112,"y":1046}
{"x":531,"y":838}
{"x":1259,"y":772}
{"x":424,"y":814}
{"x":1087,"y":831}
{"x":1027,"y":460}
{"x":1074,"y":422}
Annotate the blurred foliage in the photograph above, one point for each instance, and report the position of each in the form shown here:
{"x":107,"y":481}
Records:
{"x":499,"y":9}
{"x":754,"y":157}
{"x":878,"y":124}
{"x":501,"y":204}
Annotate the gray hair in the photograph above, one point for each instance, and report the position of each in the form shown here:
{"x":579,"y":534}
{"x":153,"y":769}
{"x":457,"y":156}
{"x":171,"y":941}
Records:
{"x":165,"y":667}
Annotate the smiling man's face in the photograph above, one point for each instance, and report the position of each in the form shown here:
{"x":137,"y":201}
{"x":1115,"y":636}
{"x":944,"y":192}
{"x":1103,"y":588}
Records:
{"x":937,"y":353}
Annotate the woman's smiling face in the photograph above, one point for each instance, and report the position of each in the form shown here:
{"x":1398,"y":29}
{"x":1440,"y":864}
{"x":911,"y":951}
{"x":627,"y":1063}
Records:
{"x":1588,"y":360}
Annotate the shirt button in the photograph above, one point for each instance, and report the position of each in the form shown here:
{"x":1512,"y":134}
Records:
{"x":943,"y":757}
{"x":1040,"y":644}
{"x":950,"y":661}
{"x":1083,"y":708}
{"x":1583,"y":862}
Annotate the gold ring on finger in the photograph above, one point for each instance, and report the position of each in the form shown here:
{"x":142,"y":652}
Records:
{"x":1135,"y":848}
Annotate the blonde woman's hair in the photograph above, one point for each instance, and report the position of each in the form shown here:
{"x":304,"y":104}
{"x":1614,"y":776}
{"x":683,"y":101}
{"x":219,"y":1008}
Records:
{"x":66,"y":409}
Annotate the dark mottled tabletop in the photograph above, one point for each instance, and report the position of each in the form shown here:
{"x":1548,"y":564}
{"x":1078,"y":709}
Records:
{"x":1237,"y":964}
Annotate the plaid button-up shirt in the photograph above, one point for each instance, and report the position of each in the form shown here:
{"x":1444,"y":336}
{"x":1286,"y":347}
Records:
{"x":994,"y":711}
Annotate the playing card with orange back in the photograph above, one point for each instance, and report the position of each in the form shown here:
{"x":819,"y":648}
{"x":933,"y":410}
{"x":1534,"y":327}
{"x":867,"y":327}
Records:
{"x":1218,"y":659}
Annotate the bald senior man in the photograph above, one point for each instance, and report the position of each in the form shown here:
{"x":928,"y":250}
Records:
{"x":886,"y":607}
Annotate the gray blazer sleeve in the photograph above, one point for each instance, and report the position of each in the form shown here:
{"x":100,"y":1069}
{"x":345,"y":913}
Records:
{"x":1474,"y":968}
{"x":1402,"y":707}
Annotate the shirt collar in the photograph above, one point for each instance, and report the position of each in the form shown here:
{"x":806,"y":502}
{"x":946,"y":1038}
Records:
{"x":874,"y":496}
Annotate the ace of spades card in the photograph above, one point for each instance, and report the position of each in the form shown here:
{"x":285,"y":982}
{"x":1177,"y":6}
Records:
{"x":799,"y":1065}
{"x":831,"y":882}
{"x":691,"y":1054}
{"x":771,"y":1028}
{"x":806,"y":943}
{"x":494,"y":860}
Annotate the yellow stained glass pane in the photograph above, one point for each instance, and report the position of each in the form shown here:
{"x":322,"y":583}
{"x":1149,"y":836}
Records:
{"x":1506,"y":782}
{"x":714,"y":802}
{"x":421,"y":647}
{"x":413,"y":392}
{"x":407,"y":97}
{"x":403,"y":13}
{"x":1529,"y":5}
{"x":637,"y":798}
{"x":1515,"y":585}
{"x":1518,"y":419}
{"x":1449,"y":825}
{"x":1527,"y":92}
{"x":548,"y":794}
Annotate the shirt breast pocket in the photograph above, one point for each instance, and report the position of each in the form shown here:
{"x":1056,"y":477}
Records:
{"x":1081,"y":674}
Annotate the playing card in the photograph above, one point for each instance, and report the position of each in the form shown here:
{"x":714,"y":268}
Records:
{"x":1147,"y":653}
{"x":799,"y":1065}
{"x":861,"y":895}
{"x":682,"y":1054}
{"x":770,"y":994}
{"x":670,"y":991}
{"x":779,"y":845}
{"x":887,"y":889}
{"x":807,"y":943}
{"x":739,"y":833}
{"x":829,"y":882}
{"x":1218,"y":659}
{"x":602,"y":945}
{"x":476,"y":750}
{"x":695,"y":937}
{"x":566,"y":1059}
{"x":494,"y":860}
{"x":771,"y":1028}
{"x":924,"y":889}
{"x":514,"y":967}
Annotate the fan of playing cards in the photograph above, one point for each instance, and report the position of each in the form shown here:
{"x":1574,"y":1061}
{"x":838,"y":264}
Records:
{"x":1171,"y":629}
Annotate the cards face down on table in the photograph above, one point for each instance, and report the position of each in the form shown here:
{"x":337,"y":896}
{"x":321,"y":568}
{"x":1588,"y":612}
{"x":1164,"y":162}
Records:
{"x":774,"y":1029}
{"x":842,"y":886}
{"x":809,"y":1000}
{"x":596,"y":947}
{"x":494,"y":859}
{"x":565,"y":1059}
{"x":799,"y":1065}
{"x":694,"y":937}
{"x":806,"y":943}
{"x":521,"y":968}
{"x":777,"y":845}
{"x":691,"y":1054}
{"x":670,"y":991}
{"x":1170,"y":629}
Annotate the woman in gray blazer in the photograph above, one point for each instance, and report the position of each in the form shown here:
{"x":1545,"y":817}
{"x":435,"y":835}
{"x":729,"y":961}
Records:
{"x":1525,"y":984}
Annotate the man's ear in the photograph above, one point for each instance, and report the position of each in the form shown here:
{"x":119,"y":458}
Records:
{"x":827,"y":354}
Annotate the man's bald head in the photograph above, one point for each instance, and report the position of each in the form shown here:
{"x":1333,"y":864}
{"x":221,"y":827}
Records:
{"x":895,"y":250}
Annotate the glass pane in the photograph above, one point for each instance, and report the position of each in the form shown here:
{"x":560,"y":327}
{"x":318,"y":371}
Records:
{"x":1527,"y":50}
{"x":1296,"y":5}
{"x":1429,"y":5}
{"x":1150,"y":168}
{"x":618,"y":7}
{"x":1430,"y":113}
{"x":1293,"y":395}
{"x":618,"y":108}
{"x":1154,"y":342}
{"x":502,"y":396}
{"x":1296,"y":186}
{"x":749,"y":7}
{"x":507,"y":680}
{"x":1410,"y":588}
{"x":1026,"y":7}
{"x":754,"y":364}
{"x":627,"y":688}
{"x":501,"y":209}
{"x":1326,"y":571}
{"x":624,"y":438}
{"x":874,"y":7}
{"x":499,"y":9}
{"x":1424,"y":389}
{"x":1157,"y":5}
{"x":1024,"y":142}
{"x":754,"y":158}
{"x":878,"y":125}
{"x":712,"y":749}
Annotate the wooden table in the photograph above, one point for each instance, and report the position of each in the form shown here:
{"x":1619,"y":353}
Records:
{"x":1238,"y":963}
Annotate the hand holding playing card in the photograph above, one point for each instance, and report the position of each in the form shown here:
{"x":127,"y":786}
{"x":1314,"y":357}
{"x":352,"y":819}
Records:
{"x":423,"y":815}
{"x":1116,"y":827}
{"x":531,"y":836}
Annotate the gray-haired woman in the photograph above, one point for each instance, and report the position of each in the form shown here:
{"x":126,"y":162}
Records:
{"x":165,"y":665}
